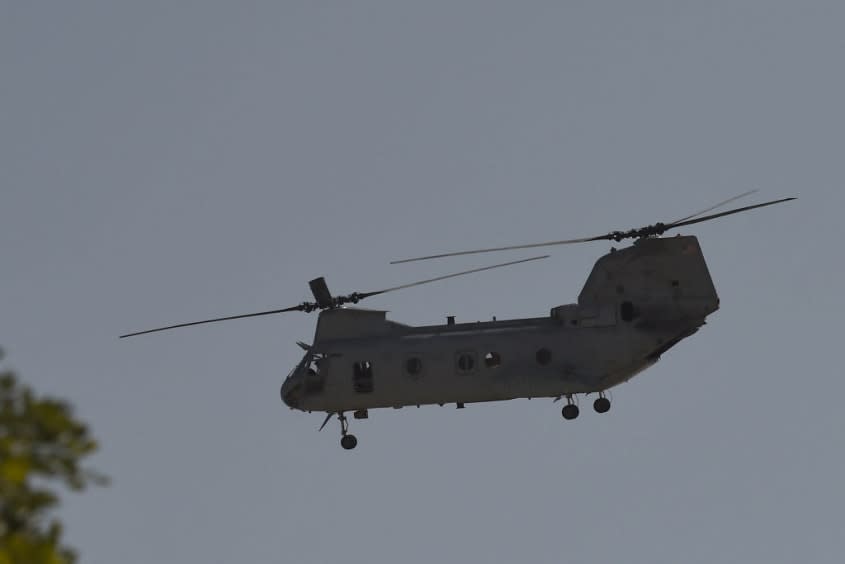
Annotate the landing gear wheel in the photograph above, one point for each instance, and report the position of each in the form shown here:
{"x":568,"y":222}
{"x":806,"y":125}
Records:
{"x":348,"y":442}
{"x":601,"y":405}
{"x":569,"y":411}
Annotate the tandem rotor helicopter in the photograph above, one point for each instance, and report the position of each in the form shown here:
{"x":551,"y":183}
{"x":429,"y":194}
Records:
{"x":636,"y":304}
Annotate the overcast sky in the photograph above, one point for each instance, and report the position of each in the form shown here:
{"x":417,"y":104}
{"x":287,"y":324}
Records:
{"x":165,"y":161}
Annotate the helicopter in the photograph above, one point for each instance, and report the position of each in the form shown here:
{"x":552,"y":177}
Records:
{"x":637,"y":303}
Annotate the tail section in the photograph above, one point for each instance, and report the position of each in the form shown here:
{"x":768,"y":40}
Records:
{"x":654,"y":283}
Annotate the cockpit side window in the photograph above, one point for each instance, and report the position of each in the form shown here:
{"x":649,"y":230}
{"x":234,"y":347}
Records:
{"x":315,"y":381}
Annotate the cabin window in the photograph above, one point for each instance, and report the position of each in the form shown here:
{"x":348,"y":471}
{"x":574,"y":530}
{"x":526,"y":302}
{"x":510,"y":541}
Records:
{"x":466,"y":362}
{"x":362,"y":377}
{"x":413,"y":365}
{"x":492,"y":359}
{"x":544,"y":356}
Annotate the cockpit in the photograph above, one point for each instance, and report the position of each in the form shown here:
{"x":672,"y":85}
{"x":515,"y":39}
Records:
{"x":307,"y":379}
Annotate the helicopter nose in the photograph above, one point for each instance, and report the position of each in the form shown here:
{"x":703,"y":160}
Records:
{"x":290,"y":393}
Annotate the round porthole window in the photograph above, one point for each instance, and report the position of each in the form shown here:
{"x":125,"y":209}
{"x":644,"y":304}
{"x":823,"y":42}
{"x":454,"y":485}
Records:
{"x":492,"y":359}
{"x":413,"y":365}
{"x":465,"y":362}
{"x":544,"y":356}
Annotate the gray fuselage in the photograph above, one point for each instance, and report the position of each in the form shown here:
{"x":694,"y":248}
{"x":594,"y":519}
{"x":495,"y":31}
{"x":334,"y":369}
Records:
{"x":637,"y":303}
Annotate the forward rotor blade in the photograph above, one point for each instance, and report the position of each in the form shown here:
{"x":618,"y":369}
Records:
{"x":456,"y":274}
{"x":496,"y":249}
{"x":294,"y":308}
{"x":729,"y":212}
{"x":719,"y":205}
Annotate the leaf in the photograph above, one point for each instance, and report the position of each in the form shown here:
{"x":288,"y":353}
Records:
{"x":14,"y":470}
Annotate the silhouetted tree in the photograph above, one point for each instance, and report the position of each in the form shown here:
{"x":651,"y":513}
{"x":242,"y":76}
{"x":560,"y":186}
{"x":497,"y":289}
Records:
{"x":41,"y":444}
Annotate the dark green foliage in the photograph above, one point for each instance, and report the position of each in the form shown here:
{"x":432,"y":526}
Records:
{"x":40,"y":443}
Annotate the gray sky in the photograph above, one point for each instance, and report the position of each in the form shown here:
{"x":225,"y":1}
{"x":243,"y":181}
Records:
{"x":166,"y":161}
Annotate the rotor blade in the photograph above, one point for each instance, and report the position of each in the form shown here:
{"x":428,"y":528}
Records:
{"x":729,"y":212}
{"x":294,"y":308}
{"x":648,"y":231}
{"x":496,"y":249}
{"x":421,"y":282}
{"x":321,"y":292}
{"x":719,"y":205}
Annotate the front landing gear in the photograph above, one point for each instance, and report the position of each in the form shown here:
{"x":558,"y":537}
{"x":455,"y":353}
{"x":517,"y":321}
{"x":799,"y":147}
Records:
{"x":347,"y":440}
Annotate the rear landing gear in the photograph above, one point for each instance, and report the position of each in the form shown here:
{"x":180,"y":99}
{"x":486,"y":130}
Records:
{"x":570,"y":410}
{"x":347,"y":440}
{"x":602,"y":404}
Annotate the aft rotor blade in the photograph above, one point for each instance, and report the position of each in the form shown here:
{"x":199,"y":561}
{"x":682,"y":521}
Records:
{"x":637,"y":233}
{"x":719,"y":205}
{"x":294,"y":308}
{"x":456,"y":274}
{"x":729,"y":212}
{"x":496,"y":249}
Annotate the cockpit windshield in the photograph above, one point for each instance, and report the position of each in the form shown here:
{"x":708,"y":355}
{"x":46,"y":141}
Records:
{"x":308,"y":378}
